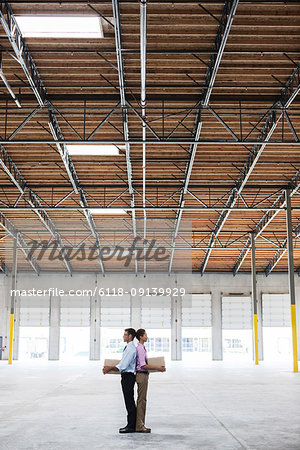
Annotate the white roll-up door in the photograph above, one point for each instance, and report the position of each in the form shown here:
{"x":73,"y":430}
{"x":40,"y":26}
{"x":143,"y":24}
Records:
{"x":34,"y":311}
{"x":196,"y":310}
{"x":156,"y":312}
{"x":75,"y":311}
{"x":276,"y":309}
{"x":236,"y":313}
{"x":115,"y":311}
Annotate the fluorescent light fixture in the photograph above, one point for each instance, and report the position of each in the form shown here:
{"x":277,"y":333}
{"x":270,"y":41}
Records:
{"x":89,"y":149}
{"x":60,"y":26}
{"x":108,"y":211}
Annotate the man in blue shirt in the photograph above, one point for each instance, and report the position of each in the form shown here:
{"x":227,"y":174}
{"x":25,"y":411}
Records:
{"x":127,"y":367}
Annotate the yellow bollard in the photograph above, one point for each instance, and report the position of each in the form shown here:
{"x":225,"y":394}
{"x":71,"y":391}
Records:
{"x":11,"y":336}
{"x":294,"y":333}
{"x":255,"y":338}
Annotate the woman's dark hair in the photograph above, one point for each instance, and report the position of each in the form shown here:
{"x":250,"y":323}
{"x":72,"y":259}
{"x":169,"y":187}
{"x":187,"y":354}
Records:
{"x":140,"y":333}
{"x":130,"y":331}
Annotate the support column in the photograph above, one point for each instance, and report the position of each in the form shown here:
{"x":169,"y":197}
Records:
{"x":54,"y":329}
{"x":95,"y":329}
{"x":254,"y":298}
{"x":135,"y":311}
{"x":16,"y":329}
{"x":217,"y":344}
{"x":291,"y":277}
{"x":12,"y":302}
{"x":176,"y":332}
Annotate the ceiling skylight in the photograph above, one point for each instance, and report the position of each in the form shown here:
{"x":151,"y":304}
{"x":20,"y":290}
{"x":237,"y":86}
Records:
{"x":60,"y":26}
{"x":90,"y":149}
{"x":108,"y":211}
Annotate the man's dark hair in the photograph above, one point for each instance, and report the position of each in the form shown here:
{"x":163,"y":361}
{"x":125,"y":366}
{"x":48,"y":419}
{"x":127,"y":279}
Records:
{"x":140,"y":332}
{"x":130,"y":331}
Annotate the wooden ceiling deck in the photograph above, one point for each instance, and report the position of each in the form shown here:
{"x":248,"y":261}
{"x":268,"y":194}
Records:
{"x":261,"y":53}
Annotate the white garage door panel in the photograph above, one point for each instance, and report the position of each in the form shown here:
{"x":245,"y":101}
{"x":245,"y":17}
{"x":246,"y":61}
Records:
{"x":75,"y":311}
{"x":156,"y":312}
{"x":34,"y":311}
{"x":236,"y":313}
{"x":115,"y":311}
{"x":196,"y":311}
{"x":276,"y":310}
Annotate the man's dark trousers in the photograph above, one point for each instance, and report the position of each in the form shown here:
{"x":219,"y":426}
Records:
{"x":127,"y":382}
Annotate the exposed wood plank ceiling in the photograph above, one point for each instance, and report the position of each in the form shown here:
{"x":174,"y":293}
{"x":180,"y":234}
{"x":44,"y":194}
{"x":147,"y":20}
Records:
{"x":261,"y":53}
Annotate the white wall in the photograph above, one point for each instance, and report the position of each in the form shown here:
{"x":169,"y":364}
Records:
{"x":218,"y":284}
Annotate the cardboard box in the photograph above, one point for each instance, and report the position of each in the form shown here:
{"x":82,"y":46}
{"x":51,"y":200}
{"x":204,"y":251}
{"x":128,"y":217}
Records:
{"x":112,"y":362}
{"x":157,"y":361}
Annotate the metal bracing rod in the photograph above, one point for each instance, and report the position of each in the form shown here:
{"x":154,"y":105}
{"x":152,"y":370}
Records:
{"x":103,"y":121}
{"x":25,"y":121}
{"x":9,"y":227}
{"x":22,"y":53}
{"x":214,"y":62}
{"x":143,"y":37}
{"x":291,"y":125}
{"x":287,"y":95}
{"x":121,"y":72}
{"x":223,"y":123}
{"x":17,"y":178}
{"x":265,"y":221}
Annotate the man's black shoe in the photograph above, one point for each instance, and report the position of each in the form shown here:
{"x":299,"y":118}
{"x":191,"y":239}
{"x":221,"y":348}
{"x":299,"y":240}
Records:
{"x":126,"y":430}
{"x":144,"y":430}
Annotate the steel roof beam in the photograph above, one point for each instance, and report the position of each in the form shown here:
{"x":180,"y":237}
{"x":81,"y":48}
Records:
{"x":275,"y":113}
{"x":211,"y":73}
{"x":122,"y":88}
{"x":22,"y":52}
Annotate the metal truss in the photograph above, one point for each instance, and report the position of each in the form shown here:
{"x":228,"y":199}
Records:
{"x":13,"y":172}
{"x":273,"y":117}
{"x":22,"y":52}
{"x":266,"y":219}
{"x":27,"y":63}
{"x":211,"y":73}
{"x":180,"y":141}
{"x":160,"y":197}
{"x":141,"y":208}
{"x":9,"y":227}
{"x":122,"y":88}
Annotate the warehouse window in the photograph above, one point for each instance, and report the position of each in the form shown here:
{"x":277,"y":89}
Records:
{"x":34,"y":342}
{"x":60,"y":26}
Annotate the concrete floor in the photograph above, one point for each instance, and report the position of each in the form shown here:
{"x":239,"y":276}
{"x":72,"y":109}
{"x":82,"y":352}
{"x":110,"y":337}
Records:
{"x":215,"y":405}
